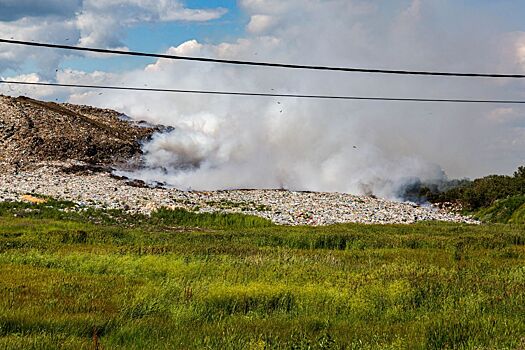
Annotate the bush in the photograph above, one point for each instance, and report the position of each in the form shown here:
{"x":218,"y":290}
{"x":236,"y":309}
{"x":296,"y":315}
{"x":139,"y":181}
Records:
{"x":477,"y":194}
{"x":504,"y":211}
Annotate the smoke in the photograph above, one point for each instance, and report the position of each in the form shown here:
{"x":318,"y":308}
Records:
{"x":221,"y":142}
{"x":297,"y":152}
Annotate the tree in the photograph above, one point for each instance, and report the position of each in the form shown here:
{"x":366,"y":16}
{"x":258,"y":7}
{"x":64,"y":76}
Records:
{"x":520,"y":173}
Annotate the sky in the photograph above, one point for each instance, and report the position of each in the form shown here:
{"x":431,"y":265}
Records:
{"x":227,"y":142}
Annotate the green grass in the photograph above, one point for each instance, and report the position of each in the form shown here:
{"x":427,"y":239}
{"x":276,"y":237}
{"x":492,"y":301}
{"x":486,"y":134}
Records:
{"x":505,"y":211}
{"x":73,"y":279}
{"x":63,"y":210}
{"x":182,"y":217}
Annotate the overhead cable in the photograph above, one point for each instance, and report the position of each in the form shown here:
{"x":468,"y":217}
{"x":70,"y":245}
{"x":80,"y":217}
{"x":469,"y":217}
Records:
{"x":258,"y":94}
{"x":262,"y":64}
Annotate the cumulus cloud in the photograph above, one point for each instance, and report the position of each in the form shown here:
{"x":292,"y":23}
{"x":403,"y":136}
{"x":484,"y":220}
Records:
{"x":102,"y":22}
{"x":31,"y":29}
{"x":260,"y":23}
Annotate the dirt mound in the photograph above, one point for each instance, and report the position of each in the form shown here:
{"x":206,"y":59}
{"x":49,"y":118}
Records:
{"x":34,"y":131}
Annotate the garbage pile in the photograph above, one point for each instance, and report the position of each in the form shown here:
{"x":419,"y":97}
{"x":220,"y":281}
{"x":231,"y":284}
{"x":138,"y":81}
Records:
{"x":97,"y":187}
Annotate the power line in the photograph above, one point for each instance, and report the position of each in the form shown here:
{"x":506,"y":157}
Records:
{"x":261,"y":64}
{"x":232,"y":93}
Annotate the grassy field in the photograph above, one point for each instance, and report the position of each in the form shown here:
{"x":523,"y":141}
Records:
{"x":110,"y":281}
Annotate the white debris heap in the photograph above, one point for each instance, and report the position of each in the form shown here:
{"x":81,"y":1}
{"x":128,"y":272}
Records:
{"x":101,"y":190}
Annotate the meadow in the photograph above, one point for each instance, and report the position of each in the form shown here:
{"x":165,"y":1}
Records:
{"x":107,"y":280}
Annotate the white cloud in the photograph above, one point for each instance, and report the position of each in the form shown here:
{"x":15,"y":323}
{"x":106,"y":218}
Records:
{"x":34,"y":29}
{"x":266,"y":6}
{"x":520,"y":49}
{"x":192,"y":15}
{"x":102,"y":22}
{"x":26,"y":90}
{"x":260,"y":23}
{"x":151,"y":10}
{"x":188,"y":48}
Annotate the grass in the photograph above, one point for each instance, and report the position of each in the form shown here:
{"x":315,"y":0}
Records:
{"x":82,"y":279}
{"x":506,"y":211}
{"x":63,"y":210}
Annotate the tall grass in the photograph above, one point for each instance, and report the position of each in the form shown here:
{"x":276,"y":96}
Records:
{"x":243,"y":284}
{"x":183,"y":217}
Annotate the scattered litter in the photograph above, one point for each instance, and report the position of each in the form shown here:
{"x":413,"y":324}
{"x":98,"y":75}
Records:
{"x":32,"y":199}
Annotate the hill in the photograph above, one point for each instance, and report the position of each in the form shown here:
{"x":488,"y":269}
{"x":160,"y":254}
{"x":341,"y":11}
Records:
{"x":33,"y":131}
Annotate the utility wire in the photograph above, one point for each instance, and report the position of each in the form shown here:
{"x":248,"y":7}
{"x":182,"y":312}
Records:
{"x":214,"y":92}
{"x":260,"y":64}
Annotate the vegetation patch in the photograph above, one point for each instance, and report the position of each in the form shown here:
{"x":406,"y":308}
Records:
{"x":493,"y":198}
{"x":76,"y":279}
{"x":510,"y":210}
